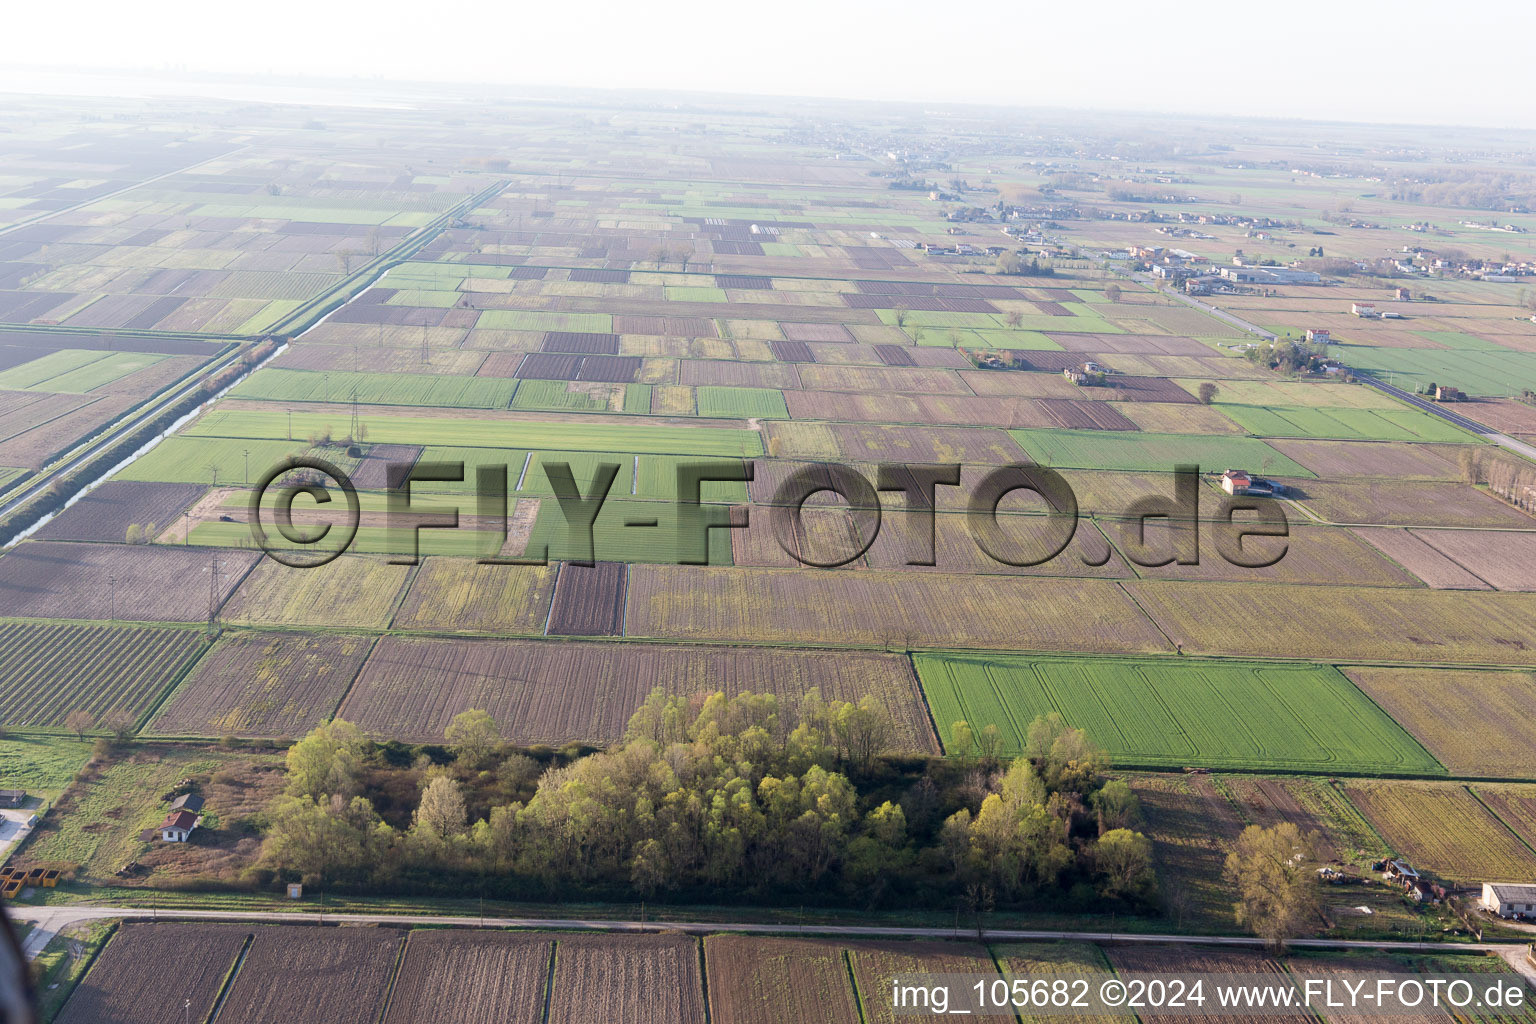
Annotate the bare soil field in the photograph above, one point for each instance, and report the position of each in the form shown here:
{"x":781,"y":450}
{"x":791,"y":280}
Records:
{"x":1341,"y":623}
{"x":471,"y":977}
{"x":295,"y":971}
{"x":756,"y":980}
{"x":1397,"y":460}
{"x":874,"y":964}
{"x":1506,"y":559}
{"x":645,"y":979}
{"x":461,"y":595}
{"x":901,"y":609}
{"x":1414,"y":553}
{"x":53,"y":579}
{"x":745,"y":375}
{"x":128,"y":980}
{"x":1195,"y":960}
{"x":263,"y":684}
{"x":926,"y":444}
{"x":106,"y":513}
{"x":558,"y":691}
{"x":1459,"y":715}
{"x":915,"y":379}
{"x":1404,"y":503}
{"x":1313,"y":554}
{"x":589,"y":601}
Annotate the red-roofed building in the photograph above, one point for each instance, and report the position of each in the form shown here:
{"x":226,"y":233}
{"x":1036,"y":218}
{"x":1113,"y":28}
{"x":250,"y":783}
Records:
{"x":177,"y":826}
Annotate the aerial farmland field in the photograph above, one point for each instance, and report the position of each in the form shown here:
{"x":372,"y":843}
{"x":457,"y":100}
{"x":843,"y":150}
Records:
{"x":1157,"y":713}
{"x":263,"y":684}
{"x":643,"y":978}
{"x":1444,"y":828}
{"x":628,"y":285}
{"x":127,"y":981}
{"x":557,"y":691}
{"x":471,"y":978}
{"x":756,"y":980}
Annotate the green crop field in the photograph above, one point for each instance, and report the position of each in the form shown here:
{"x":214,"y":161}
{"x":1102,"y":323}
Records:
{"x":740,"y":403}
{"x":1399,"y":424}
{"x":378,"y":388}
{"x":482,"y":433}
{"x":557,"y":395}
{"x":1176,"y":713}
{"x":538,"y":320}
{"x":1145,"y":452}
{"x":1477,"y":372}
{"x":74,"y":371}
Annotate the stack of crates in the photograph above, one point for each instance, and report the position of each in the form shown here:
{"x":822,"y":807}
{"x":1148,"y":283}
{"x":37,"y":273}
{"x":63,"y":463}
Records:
{"x":11,"y":881}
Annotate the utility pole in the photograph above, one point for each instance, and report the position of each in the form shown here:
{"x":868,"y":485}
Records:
{"x":112,"y":597}
{"x":247,"y":467}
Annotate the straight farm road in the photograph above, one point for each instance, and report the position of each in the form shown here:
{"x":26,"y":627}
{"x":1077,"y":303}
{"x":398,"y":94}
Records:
{"x":57,"y":917}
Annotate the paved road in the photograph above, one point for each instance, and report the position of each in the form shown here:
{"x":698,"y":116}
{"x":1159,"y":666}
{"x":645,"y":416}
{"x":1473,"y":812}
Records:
{"x":56,"y":917}
{"x":1437,"y":409}
{"x":1206,"y":307}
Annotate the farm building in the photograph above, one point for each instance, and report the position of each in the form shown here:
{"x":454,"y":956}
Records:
{"x":1270,"y":275}
{"x":187,"y":802}
{"x":1509,"y":900}
{"x":1364,"y":309}
{"x":1318,"y":335}
{"x":1235,"y":481}
{"x":177,"y":827}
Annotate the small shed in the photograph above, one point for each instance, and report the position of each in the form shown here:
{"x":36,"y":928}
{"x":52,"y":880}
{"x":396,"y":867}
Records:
{"x":187,"y":802}
{"x":12,"y":797}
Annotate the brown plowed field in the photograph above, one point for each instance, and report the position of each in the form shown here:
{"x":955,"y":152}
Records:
{"x":263,"y":684}
{"x":106,"y":513}
{"x":558,"y":691}
{"x":771,"y":981}
{"x":637,"y":979}
{"x":468,"y":977}
{"x":128,"y":982}
{"x":153,"y":583}
{"x":299,"y":972}
{"x":589,"y":601}
{"x":903,"y":609}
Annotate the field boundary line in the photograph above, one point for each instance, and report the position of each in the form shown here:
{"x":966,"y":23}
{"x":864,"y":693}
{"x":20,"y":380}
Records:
{"x":352,"y":682}
{"x":400,"y":596}
{"x":1178,"y":649}
{"x":1393,"y":719}
{"x":853,"y":983}
{"x":401,"y":952}
{"x":229,"y":979}
{"x":1497,"y":816}
{"x":1001,"y":973}
{"x":698,"y":943}
{"x":549,"y":980}
{"x":177,"y":678}
{"x":927,"y":707}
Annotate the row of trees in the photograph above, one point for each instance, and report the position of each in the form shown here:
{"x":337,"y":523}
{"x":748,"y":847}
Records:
{"x":734,"y":798}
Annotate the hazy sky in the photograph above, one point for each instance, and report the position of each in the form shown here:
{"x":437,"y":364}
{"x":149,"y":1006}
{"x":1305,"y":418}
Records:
{"x":1405,"y":61}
